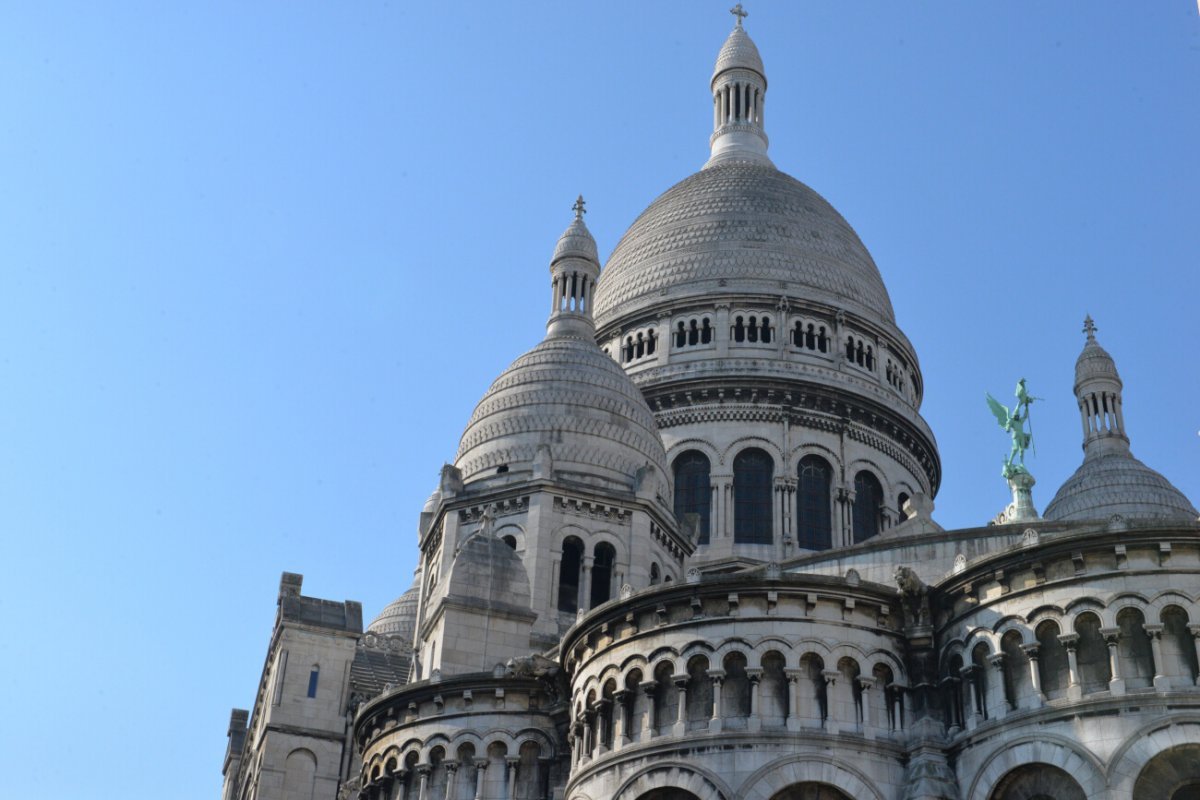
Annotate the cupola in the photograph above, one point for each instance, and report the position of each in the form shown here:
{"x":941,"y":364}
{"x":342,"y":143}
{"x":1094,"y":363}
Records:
{"x":739,"y":89}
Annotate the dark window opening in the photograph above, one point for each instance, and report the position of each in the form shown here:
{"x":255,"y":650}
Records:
{"x":681,"y":337}
{"x":868,"y":497}
{"x":511,"y":541}
{"x":753,"y":476}
{"x":503,"y":468}
{"x":693,"y":489}
{"x":654,"y":574}
{"x":568,"y":576}
{"x":313,"y":677}
{"x":814,"y":511}
{"x":602,"y":572}
{"x":900,"y":501}
{"x":739,"y":330}
{"x":705,"y":332}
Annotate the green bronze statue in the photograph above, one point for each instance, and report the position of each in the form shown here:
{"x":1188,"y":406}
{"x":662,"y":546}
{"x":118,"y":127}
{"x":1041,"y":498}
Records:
{"x":1013,"y":421}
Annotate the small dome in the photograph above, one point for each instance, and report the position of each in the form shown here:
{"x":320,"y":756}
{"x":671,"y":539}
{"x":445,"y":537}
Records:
{"x":741,"y":227}
{"x":576,"y":242}
{"x":486,"y":569}
{"x":567,"y":396}
{"x":739,"y":52}
{"x":399,"y":617}
{"x":1117,"y":483}
{"x":1094,"y":362}
{"x":432,"y":503}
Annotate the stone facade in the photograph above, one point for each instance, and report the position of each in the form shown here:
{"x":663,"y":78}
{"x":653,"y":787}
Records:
{"x":686,"y":551}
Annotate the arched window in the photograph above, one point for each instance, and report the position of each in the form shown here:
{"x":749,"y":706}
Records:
{"x":753,"y":475}
{"x":1052,"y":660}
{"x":900,"y":501}
{"x":1092,"y":654}
{"x":655,"y":576}
{"x":814,"y":516}
{"x":568,"y":575}
{"x":868,"y":497}
{"x":602,"y":573}
{"x":693,"y":491}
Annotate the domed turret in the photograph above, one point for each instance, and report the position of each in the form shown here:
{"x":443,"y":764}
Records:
{"x":564,"y":408}
{"x":399,"y":617}
{"x":1110,"y":480}
{"x":739,"y":89}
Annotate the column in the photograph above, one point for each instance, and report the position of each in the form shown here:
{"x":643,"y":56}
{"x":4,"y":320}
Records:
{"x":998,"y":707}
{"x":1035,"y":677}
{"x":793,"y":698}
{"x":481,"y":765}
{"x":898,"y":704}
{"x":864,"y":696}
{"x":754,"y":675}
{"x":451,"y":779}
{"x":620,"y":722}
{"x":1071,"y":642}
{"x":423,"y":775}
{"x":1194,"y":629}
{"x":718,"y":679}
{"x":1161,"y":681}
{"x":511,"y":765}
{"x":831,"y":720}
{"x":602,"y":715}
{"x":585,"y":582}
{"x":589,"y":733}
{"x":970,"y":674}
{"x":576,"y":743}
{"x":648,"y":722}
{"x":680,"y":682}
{"x":1112,"y":637}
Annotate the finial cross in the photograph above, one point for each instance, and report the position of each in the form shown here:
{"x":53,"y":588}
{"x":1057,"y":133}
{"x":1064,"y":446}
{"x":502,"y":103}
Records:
{"x":578,"y":208}
{"x":740,"y":13}
{"x":1089,"y":327}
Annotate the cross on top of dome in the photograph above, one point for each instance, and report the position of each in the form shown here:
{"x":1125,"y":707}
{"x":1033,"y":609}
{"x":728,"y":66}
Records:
{"x":740,"y":13}
{"x":1089,"y":327}
{"x":578,"y":208}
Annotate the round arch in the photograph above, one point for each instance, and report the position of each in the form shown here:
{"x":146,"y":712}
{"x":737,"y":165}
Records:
{"x":700,"y":783}
{"x":1036,"y":781}
{"x":769,"y":781}
{"x":1144,"y":745}
{"x":1055,"y":751}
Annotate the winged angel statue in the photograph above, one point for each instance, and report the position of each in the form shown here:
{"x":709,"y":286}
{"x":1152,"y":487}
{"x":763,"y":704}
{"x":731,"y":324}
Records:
{"x":1013,"y":421}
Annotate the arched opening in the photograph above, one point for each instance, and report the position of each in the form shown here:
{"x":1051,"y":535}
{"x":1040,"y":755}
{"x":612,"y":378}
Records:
{"x":735,"y":691}
{"x":699,"y":694}
{"x":1134,"y":649}
{"x":773,"y":691}
{"x":637,"y":705}
{"x":811,"y":791}
{"x":1178,"y":647}
{"x":954,"y":692}
{"x":1052,"y":660}
{"x":901,"y":514}
{"x":850,"y":690}
{"x":602,"y":573}
{"x":753,"y":476}
{"x":868,"y":500}
{"x":693,"y":489}
{"x":464,"y":781}
{"x":510,"y":540}
{"x":1039,"y":782}
{"x":666,"y":697}
{"x":1091,"y":655}
{"x":814,"y":504}
{"x":885,"y":709}
{"x":568,"y":575}
{"x":814,"y":700}
{"x":529,"y":774}
{"x":980,"y":683}
{"x":606,"y":714}
{"x":655,"y":574}
{"x":667,"y":793}
{"x":1018,"y":682}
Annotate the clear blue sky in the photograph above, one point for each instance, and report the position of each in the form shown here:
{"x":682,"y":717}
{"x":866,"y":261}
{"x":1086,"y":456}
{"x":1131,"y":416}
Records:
{"x":258,"y":261}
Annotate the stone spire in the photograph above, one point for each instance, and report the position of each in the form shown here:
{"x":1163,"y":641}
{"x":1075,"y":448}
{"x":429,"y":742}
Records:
{"x":1098,"y":394}
{"x":739,"y":87}
{"x":574,"y":269}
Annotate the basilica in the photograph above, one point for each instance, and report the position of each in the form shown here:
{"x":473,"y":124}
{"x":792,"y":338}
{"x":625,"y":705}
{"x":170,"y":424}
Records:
{"x":687,"y":550}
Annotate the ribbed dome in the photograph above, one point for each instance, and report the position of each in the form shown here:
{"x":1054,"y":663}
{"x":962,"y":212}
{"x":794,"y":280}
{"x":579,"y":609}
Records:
{"x":577,"y":242}
{"x":399,"y":617}
{"x":1094,"y":362}
{"x":567,"y":395}
{"x":739,"y":51}
{"x":1117,"y":483}
{"x":741,"y":227}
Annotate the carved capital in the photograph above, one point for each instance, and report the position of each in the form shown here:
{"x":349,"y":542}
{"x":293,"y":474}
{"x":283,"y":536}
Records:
{"x":1069,"y":640}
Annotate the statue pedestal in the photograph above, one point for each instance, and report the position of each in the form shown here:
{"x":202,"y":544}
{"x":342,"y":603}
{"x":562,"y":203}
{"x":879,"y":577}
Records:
{"x":1021,"y":508}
